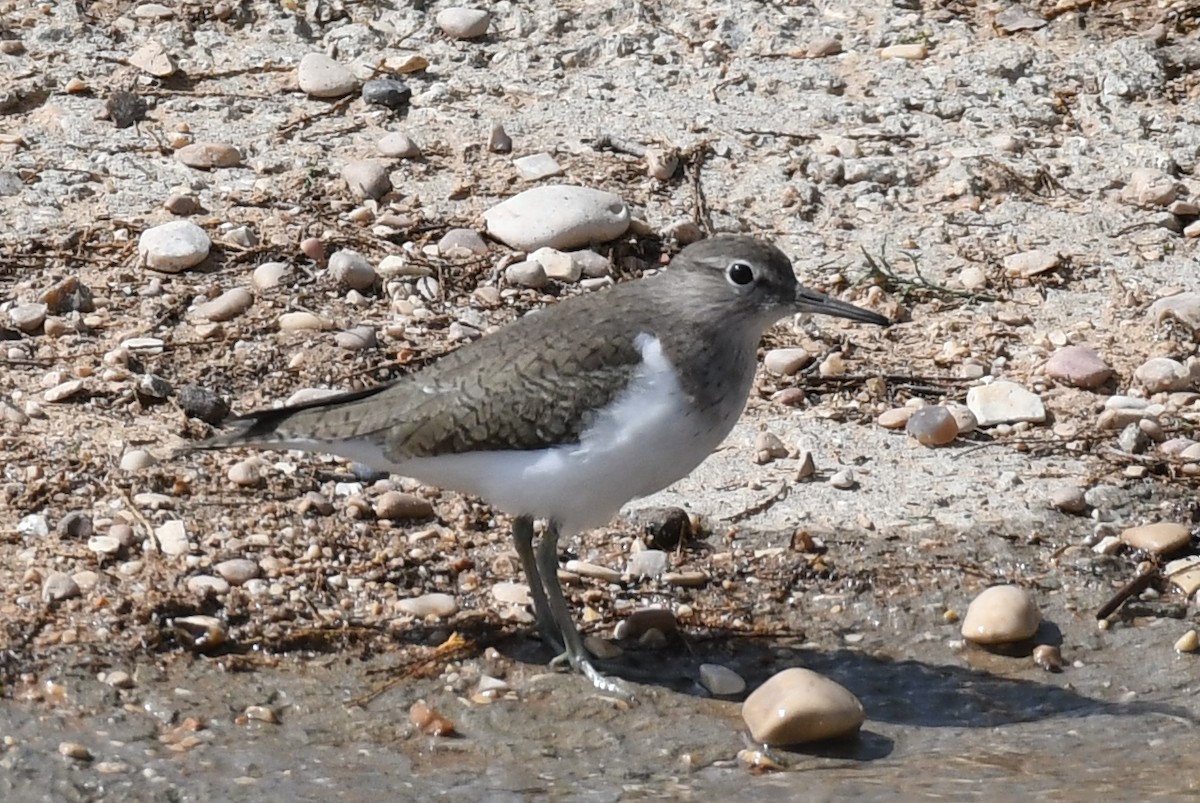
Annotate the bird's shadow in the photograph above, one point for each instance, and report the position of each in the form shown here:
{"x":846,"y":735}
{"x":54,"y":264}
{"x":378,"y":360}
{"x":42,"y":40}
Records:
{"x":905,"y":692}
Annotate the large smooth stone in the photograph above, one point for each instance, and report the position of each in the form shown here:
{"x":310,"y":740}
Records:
{"x":557,"y":216}
{"x":798,"y":705}
{"x":1001,"y":615}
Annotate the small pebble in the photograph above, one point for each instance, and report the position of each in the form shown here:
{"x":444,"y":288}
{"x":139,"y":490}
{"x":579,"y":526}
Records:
{"x":398,"y":506}
{"x":895,"y":418}
{"x":591,"y":264}
{"x":910,"y":52}
{"x":461,"y":243}
{"x":512,"y":593}
{"x":352,"y":269}
{"x":1078,"y":366}
{"x":558,"y":265}
{"x":797,"y":706}
{"x":74,"y":750}
{"x":301,"y":321}
{"x":367,"y":178}
{"x":172,"y":538}
{"x":638,"y":623}
{"x":1048,"y":657}
{"x":136,"y":460}
{"x":58,"y":587}
{"x":721,"y":681}
{"x":932,"y":426}
{"x":270,"y":274}
{"x":208,"y":155}
{"x":357,"y":339}
{"x":557,"y":216}
{"x":786,"y":362}
{"x":537,"y":166}
{"x":321,"y":77}
{"x":1000,"y":615}
{"x":595,"y":571}
{"x":63,"y":390}
{"x":843,"y":480}
{"x":463,"y":23}
{"x":174,"y":246}
{"x":246,"y":473}
{"x":1030,"y":263}
{"x":203,"y":585}
{"x":1004,"y":403}
{"x":237,"y":571}
{"x":314,"y":249}
{"x":398,"y":146}
{"x":203,"y":404}
{"x":182,"y":204}
{"x":1161,"y":374}
{"x":1188,"y":642}
{"x":387,"y":92}
{"x":119,"y":679}
{"x":225,"y":307}
{"x":104,"y":545}
{"x":526,"y":274}
{"x":768,"y":447}
{"x":498,"y":140}
{"x":647,"y":563}
{"x":76,"y":524}
{"x":28,"y":318}
{"x":437,"y":605}
{"x":1069,"y":499}
{"x":153,"y":58}
{"x":1161,"y":538}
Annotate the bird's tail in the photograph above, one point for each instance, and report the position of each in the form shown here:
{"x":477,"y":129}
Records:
{"x":285,"y":426}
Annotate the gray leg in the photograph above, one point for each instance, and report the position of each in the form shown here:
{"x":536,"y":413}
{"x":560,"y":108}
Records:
{"x":574,"y":653}
{"x":523,"y":538}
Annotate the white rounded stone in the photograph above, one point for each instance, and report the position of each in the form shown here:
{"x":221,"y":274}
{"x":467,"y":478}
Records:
{"x":1000,"y":615}
{"x":557,"y":216}
{"x":174,"y":246}
{"x":270,"y":274}
{"x":463,"y":23}
{"x":322,"y":77}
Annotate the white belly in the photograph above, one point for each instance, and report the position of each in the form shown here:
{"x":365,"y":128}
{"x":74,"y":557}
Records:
{"x":645,"y":440}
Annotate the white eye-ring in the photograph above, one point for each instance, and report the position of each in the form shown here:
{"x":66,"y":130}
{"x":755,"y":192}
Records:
{"x":740,"y":273}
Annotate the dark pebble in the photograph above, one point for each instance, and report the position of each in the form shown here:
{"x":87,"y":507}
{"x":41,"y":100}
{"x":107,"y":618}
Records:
{"x":75,"y":524}
{"x":386,"y":92}
{"x":202,"y":403}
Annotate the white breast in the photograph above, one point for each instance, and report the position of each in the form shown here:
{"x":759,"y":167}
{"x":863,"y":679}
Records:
{"x":648,"y":438}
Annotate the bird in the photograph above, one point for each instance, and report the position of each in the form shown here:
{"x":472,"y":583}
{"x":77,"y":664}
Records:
{"x":571,"y":411}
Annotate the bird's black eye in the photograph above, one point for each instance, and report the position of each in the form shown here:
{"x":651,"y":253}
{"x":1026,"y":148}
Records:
{"x":740,"y":273}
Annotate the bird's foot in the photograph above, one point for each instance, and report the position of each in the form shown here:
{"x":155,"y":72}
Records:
{"x":605,"y":685}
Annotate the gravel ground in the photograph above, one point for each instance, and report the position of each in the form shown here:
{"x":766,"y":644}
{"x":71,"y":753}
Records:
{"x":1004,"y":181}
